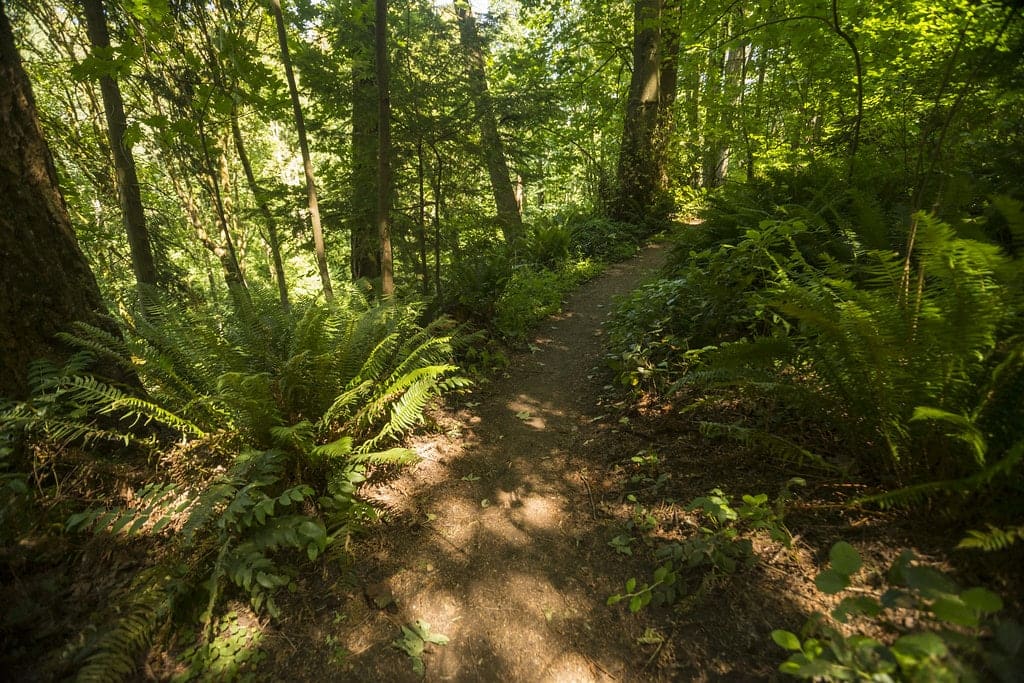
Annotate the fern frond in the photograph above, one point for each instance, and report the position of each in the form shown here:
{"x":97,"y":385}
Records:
{"x":99,"y":342}
{"x":157,"y":506}
{"x":772,"y":442}
{"x":392,"y":456}
{"x":115,"y":655}
{"x":108,"y":400}
{"x":995,"y":538}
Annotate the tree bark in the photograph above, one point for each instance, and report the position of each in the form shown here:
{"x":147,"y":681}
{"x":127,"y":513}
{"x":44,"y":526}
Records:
{"x":45,"y":282}
{"x":421,"y":220}
{"x":128,"y":192}
{"x":384,"y":179}
{"x":494,"y":151}
{"x":307,"y":164}
{"x":364,"y":239}
{"x":258,"y":194}
{"x":639,"y":175}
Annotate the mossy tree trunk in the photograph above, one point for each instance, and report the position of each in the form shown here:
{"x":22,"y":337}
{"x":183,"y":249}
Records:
{"x":640,"y":175}
{"x":45,"y":282}
{"x":384,"y":179}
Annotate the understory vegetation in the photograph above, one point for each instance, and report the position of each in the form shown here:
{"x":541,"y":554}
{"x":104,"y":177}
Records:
{"x":852,"y":351}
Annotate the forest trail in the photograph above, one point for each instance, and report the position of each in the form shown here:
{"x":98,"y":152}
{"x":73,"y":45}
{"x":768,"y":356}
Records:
{"x":503,"y":552}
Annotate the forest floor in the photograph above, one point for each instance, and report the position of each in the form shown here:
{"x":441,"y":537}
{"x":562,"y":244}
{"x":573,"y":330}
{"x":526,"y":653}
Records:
{"x":498,"y":538}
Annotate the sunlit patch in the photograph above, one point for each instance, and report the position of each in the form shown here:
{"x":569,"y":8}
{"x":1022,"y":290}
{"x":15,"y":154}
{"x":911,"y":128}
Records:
{"x":539,"y":512}
{"x":532,"y":412}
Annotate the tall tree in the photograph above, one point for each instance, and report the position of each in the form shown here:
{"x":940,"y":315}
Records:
{"x":130,"y":197}
{"x":307,"y":164}
{"x":45,"y":282}
{"x":384,"y":180}
{"x":493,"y":149}
{"x":365,"y":120}
{"x":640,"y":174}
{"x":273,"y":240}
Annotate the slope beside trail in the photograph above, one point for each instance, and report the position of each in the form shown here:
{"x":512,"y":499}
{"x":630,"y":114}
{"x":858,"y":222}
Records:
{"x":498,"y":545}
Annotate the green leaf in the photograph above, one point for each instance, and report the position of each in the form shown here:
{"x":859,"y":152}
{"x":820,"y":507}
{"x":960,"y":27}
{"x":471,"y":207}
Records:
{"x":437,"y":638}
{"x":857,"y":604}
{"x":636,"y":603}
{"x":953,"y":611}
{"x":613,"y":600}
{"x":921,"y":645}
{"x":982,"y":599}
{"x":831,"y":582}
{"x":844,"y":559}
{"x":631,"y":585}
{"x":785,"y":639}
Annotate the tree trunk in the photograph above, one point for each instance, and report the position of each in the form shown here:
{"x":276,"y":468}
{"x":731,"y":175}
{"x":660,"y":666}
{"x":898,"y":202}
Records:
{"x":421,"y":220}
{"x":124,"y":162}
{"x":638,"y":177}
{"x":387,"y":281}
{"x":494,"y":151}
{"x":45,"y":282}
{"x":364,"y":238}
{"x":261,"y":202}
{"x":436,"y":188}
{"x":307,"y":164}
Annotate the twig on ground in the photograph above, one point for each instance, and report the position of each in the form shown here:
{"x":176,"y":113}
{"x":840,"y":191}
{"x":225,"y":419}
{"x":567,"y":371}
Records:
{"x":590,"y":493}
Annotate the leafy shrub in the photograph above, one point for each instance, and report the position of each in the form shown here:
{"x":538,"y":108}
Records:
{"x":717,"y":296}
{"x":867,"y":354}
{"x":478,"y":280}
{"x":274,"y":412}
{"x":720,"y":546}
{"x":532,"y":295}
{"x":546,"y":244}
{"x":597,"y":237}
{"x":950,"y":639}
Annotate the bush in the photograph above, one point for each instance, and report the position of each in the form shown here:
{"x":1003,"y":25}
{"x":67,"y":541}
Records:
{"x":532,"y":295}
{"x":948,"y":642}
{"x":597,"y":237}
{"x":266,"y":422}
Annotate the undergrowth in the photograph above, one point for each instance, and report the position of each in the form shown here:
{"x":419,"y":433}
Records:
{"x":264,"y":424}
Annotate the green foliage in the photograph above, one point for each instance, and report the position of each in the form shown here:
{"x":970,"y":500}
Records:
{"x":547,"y":244}
{"x":282,"y":412}
{"x":992,"y":539}
{"x":602,"y":238}
{"x":721,"y":545}
{"x":414,"y":640}
{"x":113,"y":654}
{"x":950,"y":640}
{"x":661,"y":329}
{"x":233,"y":653}
{"x":866,"y":350}
{"x":531,"y":295}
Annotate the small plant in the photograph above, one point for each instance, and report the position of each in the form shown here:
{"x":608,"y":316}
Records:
{"x":718,"y":545}
{"x":414,"y":640}
{"x":955,"y":629}
{"x":622,"y":544}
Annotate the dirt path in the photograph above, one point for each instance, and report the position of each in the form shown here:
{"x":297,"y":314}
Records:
{"x":502,"y":552}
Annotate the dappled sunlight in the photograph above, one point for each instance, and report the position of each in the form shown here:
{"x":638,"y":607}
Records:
{"x":534,"y":413}
{"x":540,"y":512}
{"x":506,"y":557}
